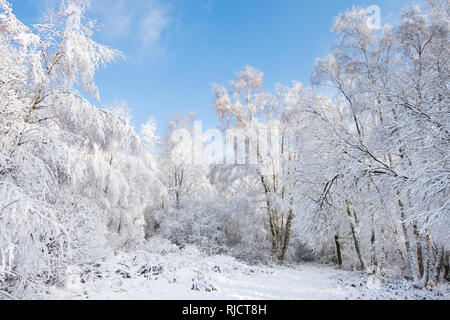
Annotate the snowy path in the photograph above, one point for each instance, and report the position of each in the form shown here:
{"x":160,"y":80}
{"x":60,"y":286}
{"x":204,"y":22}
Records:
{"x":191,"y":275}
{"x":308,"y":282}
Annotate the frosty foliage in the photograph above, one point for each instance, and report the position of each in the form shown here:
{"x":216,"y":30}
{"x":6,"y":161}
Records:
{"x":391,"y":179}
{"x":67,"y":169}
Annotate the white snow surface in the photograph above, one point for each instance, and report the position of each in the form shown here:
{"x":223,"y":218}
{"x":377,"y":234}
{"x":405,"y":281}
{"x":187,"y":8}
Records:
{"x":170,"y":273}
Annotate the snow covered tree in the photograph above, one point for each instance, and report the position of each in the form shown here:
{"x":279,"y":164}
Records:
{"x":67,"y":169}
{"x":249,"y":109}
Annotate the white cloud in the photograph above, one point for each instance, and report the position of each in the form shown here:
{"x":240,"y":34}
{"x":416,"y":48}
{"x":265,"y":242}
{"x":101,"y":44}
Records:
{"x":116,"y":16}
{"x":152,"y":24}
{"x":141,"y":21}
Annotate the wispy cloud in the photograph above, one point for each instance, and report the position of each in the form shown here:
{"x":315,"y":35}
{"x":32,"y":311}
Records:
{"x":153,"y":23}
{"x":116,"y":17}
{"x":141,"y":22}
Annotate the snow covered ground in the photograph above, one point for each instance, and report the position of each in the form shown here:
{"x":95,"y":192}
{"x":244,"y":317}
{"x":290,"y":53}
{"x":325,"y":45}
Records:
{"x":170,"y":273}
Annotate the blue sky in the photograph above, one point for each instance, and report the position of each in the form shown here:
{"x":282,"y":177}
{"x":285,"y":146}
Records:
{"x":176,"y":49}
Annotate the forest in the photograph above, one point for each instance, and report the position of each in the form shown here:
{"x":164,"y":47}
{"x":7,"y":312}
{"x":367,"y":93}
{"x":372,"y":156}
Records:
{"x":359,"y":182}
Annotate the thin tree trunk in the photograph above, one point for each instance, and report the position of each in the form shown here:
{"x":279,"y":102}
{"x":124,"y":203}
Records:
{"x":374,"y":253}
{"x":356,"y":241}
{"x":357,"y":247}
{"x":37,"y":99}
{"x":287,"y":235}
{"x":373,"y":247}
{"x":419,"y":250}
{"x":426,"y":266}
{"x":398,"y":245}
{"x":430,"y":246}
{"x":447,"y":267}
{"x":438,"y":266}
{"x":272,"y":225}
{"x":338,"y":250}
{"x":274,"y":235}
{"x":409,"y":255}
{"x":383,"y":256}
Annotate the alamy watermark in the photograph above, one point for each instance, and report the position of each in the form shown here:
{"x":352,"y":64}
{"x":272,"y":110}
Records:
{"x":256,"y":147}
{"x":259,"y":147}
{"x":373,"y":17}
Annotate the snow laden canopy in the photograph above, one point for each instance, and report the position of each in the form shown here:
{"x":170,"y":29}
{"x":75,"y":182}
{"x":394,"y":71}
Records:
{"x":68,"y":175}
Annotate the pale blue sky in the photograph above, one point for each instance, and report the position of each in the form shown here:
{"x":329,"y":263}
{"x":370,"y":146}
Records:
{"x":176,"y":49}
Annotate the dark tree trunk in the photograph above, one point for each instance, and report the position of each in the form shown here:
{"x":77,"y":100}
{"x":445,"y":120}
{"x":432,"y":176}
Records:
{"x":447,"y":267}
{"x":409,"y":255}
{"x":419,"y":250}
{"x":438,"y":266}
{"x":355,"y":237}
{"x":374,"y":252}
{"x":338,"y":250}
{"x":287,"y":235}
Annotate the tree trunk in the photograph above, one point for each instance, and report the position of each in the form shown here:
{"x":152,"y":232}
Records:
{"x":338,"y":250}
{"x":177,"y":200}
{"x":426,"y":265}
{"x":358,"y":247}
{"x":447,"y":267}
{"x":287,"y":235}
{"x":373,"y":248}
{"x":274,"y":235}
{"x":374,"y":253}
{"x":383,"y":257}
{"x":353,"y":226}
{"x":437,"y":267}
{"x":409,"y":255}
{"x":419,"y":250}
{"x":400,"y":253}
{"x":272,"y":225}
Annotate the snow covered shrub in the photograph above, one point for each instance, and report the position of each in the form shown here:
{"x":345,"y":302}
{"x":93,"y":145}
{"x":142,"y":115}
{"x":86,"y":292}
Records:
{"x":194,"y":221}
